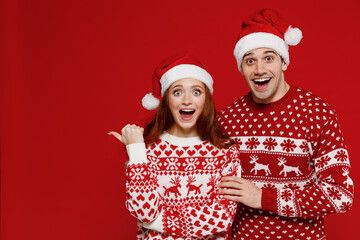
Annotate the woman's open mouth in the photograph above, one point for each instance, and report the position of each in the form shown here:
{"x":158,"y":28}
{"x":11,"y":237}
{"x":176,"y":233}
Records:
{"x":186,"y":114}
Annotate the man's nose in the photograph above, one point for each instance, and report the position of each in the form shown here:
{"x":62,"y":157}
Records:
{"x":260,"y":69}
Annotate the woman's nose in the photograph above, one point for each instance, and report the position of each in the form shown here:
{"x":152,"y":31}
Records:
{"x":186,"y":98}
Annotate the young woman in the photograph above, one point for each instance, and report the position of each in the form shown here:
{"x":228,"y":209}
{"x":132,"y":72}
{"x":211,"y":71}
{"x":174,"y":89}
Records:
{"x":176,"y":163}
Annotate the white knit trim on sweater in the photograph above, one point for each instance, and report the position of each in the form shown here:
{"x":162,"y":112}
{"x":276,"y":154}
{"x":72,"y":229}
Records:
{"x":136,"y":153}
{"x":157,"y":224}
{"x":180,"y":141}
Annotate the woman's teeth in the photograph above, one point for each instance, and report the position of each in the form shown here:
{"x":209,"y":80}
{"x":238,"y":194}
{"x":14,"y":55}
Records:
{"x":187,"y":112}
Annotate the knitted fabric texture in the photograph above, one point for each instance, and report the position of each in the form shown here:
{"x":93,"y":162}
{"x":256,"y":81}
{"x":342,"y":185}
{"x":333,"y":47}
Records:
{"x":294,"y":150}
{"x":172,"y":189}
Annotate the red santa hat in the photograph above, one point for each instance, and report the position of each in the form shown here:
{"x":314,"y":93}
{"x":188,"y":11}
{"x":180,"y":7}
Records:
{"x":266,"y":28}
{"x":176,"y":67}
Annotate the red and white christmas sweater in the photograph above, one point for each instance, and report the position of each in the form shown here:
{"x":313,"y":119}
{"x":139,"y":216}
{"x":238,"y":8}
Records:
{"x":172,"y":188}
{"x":294,"y":150}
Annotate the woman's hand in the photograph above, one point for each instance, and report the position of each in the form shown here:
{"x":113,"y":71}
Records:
{"x":130,"y":134}
{"x":140,"y":224}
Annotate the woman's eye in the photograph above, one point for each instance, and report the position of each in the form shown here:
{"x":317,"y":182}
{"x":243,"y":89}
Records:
{"x":197,"y":92}
{"x":177,"y":92}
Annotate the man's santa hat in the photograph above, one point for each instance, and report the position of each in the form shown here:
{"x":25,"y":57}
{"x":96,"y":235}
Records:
{"x":266,"y":28}
{"x":176,"y":67}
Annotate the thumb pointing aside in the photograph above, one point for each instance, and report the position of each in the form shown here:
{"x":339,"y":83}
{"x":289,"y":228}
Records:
{"x":117,"y":135}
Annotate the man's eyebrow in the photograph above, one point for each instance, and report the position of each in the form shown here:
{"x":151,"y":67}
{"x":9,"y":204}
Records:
{"x":271,"y":51}
{"x":266,"y":52}
{"x":247,"y":54}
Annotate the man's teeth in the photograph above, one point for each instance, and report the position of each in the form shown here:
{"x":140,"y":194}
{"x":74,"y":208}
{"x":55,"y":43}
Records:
{"x":261,"y":80}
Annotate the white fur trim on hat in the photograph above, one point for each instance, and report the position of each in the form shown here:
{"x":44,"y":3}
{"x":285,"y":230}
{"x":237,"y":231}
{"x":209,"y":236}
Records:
{"x":293,"y":36}
{"x":150,"y":102}
{"x":185,"y":71}
{"x":260,"y":40}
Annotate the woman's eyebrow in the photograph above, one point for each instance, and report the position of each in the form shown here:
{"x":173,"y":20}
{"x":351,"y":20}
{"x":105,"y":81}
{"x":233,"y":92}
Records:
{"x":197,"y":86}
{"x":175,"y":86}
{"x":192,"y":86}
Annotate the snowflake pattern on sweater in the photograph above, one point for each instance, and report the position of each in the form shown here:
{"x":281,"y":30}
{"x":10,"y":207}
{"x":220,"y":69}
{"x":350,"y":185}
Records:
{"x":294,"y":150}
{"x":171,"y":188}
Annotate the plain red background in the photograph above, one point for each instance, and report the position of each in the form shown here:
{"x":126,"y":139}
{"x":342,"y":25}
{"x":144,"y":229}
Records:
{"x":72,"y":70}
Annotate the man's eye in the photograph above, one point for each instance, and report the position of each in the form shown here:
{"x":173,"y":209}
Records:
{"x":269,"y":58}
{"x":250,"y":61}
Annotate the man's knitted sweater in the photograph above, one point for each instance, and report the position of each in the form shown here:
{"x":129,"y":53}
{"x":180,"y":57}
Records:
{"x":171,"y":188}
{"x":294,"y":150}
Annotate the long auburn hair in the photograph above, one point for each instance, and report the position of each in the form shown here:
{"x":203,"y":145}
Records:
{"x":207,"y":125}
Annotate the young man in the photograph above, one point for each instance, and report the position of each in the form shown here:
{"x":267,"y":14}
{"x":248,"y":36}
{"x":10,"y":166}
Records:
{"x":295,"y":163}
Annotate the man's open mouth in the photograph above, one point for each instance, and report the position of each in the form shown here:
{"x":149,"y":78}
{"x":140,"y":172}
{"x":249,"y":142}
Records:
{"x":261,"y":81}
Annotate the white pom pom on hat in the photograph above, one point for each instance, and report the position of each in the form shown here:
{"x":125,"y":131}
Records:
{"x":293,"y":36}
{"x":150,"y":102}
{"x":266,"y":28}
{"x":179,"y":66}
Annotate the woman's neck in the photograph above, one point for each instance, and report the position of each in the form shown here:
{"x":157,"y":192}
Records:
{"x":181,"y":132}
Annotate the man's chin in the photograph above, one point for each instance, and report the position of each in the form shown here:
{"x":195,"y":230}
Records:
{"x":262,"y":98}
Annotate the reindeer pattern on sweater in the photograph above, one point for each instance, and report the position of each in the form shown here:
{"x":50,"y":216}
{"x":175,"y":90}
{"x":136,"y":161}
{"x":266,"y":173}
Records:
{"x":171,"y":188}
{"x":295,"y":151}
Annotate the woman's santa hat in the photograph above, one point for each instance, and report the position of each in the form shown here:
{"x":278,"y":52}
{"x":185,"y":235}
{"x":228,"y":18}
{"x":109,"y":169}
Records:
{"x":176,"y":67}
{"x":266,"y":28}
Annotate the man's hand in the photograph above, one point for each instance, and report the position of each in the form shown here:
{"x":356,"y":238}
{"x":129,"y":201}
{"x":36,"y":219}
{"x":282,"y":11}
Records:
{"x":130,"y":134}
{"x":241,"y":190}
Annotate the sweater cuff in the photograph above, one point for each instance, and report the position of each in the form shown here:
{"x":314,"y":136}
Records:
{"x":136,"y":153}
{"x":157,"y":224}
{"x":269,"y":200}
